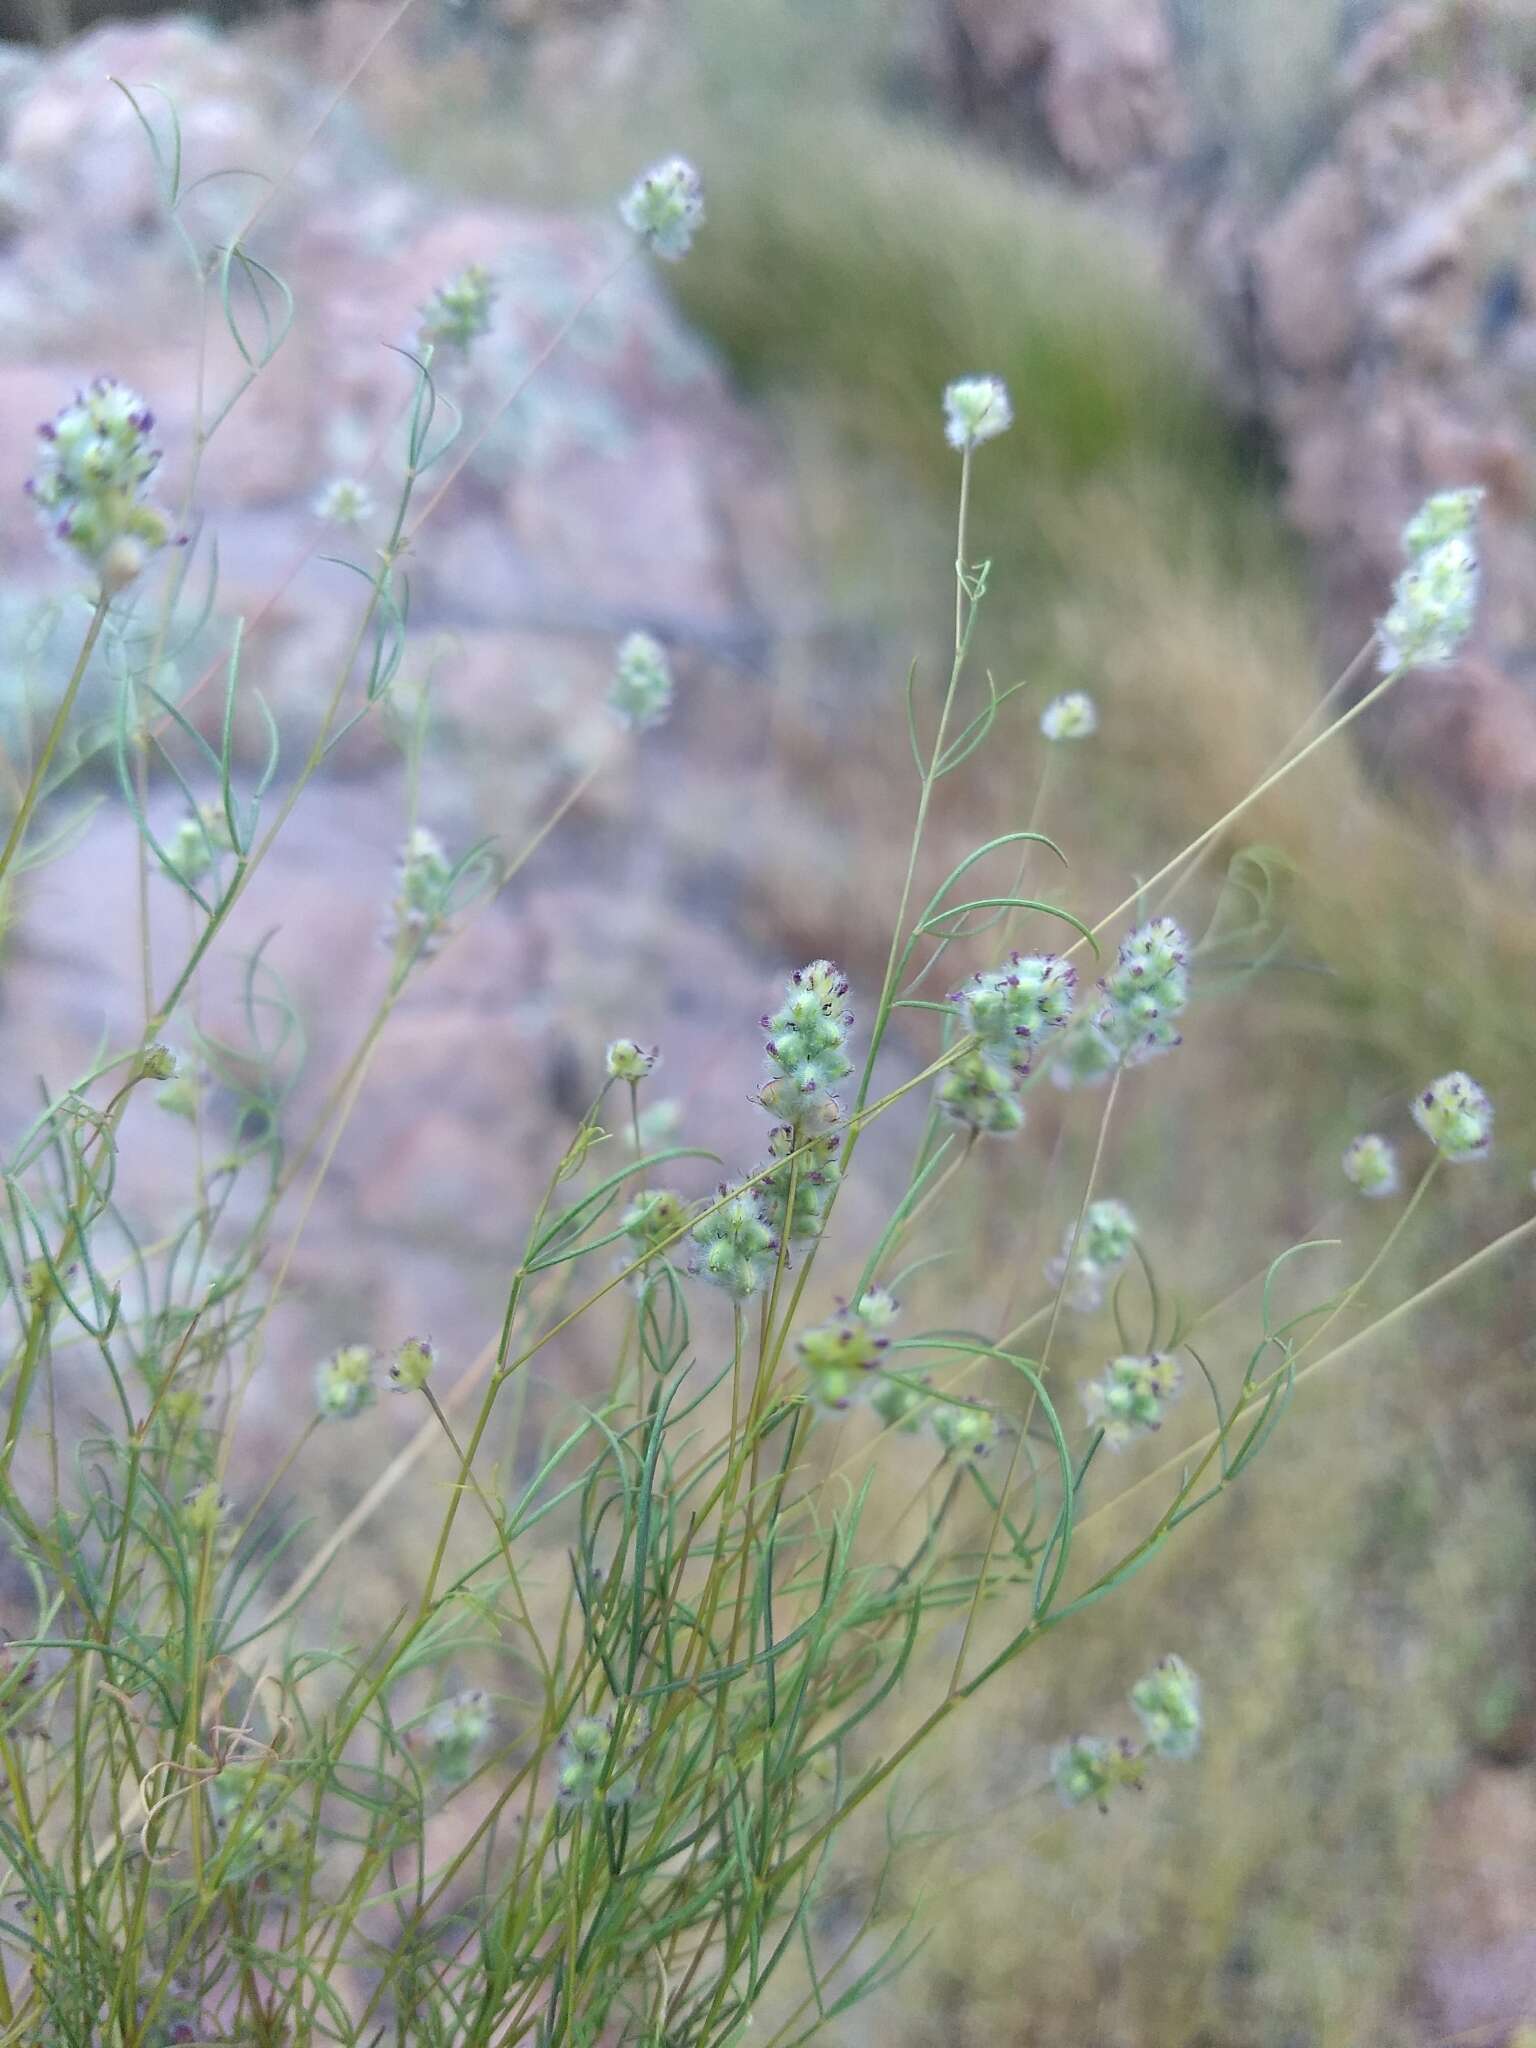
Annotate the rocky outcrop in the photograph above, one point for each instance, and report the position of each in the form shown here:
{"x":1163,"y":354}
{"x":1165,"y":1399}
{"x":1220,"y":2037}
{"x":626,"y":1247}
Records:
{"x":1376,"y":299}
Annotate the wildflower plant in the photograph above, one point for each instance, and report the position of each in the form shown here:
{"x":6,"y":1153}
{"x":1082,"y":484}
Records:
{"x":652,"y":1661}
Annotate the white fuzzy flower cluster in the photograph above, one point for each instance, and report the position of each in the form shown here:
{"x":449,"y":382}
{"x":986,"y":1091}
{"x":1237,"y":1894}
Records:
{"x":1434,"y":600}
{"x":976,"y":409}
{"x":1074,"y":716}
{"x":665,"y":207}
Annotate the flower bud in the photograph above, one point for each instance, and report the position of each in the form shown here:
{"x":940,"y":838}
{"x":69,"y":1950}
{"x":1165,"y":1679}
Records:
{"x":976,"y":409}
{"x":423,"y":877}
{"x":157,"y":1063}
{"x":837,"y":1356}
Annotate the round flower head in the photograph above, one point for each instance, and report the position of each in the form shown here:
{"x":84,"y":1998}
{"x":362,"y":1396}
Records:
{"x":901,"y":1402}
{"x":640,"y":695}
{"x":982,"y":1097}
{"x":1084,"y":1769}
{"x":1129,"y":1396}
{"x":734,"y":1247}
{"x":1370,"y":1164}
{"x":837,"y":1356}
{"x":584,"y":1756}
{"x":628,"y":1061}
{"x":94,"y":465}
{"x":966,"y":1429}
{"x":1104,"y":1244}
{"x":345,"y":502}
{"x":455,"y":1731}
{"x":1016,"y":1007}
{"x":1072,"y":717}
{"x":654,"y":1219}
{"x":413,"y":1366}
{"x":459,"y":312}
{"x":1167,"y":1703}
{"x":344,"y":1383}
{"x":665,"y":207}
{"x":976,"y":409}
{"x":1147,"y":990}
{"x":1456,"y":1116}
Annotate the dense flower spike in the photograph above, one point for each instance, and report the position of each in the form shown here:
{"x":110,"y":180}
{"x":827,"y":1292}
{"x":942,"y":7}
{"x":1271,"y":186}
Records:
{"x":734,"y":1247}
{"x":640,"y":695}
{"x":807,"y":1040}
{"x":1074,"y":716}
{"x":456,"y":1731}
{"x":839,"y":1356}
{"x":94,"y":466}
{"x":1130,"y":1395}
{"x":459,"y":312}
{"x":966,"y":1429}
{"x":344,"y":1383}
{"x":1370,"y":1164}
{"x":814,"y":1178}
{"x":1434,"y":600}
{"x":345,"y":502}
{"x":1456,"y":1116}
{"x":1013,"y":1009}
{"x":665,"y":207}
{"x":1147,"y":990}
{"x":976,"y":409}
{"x":653,"y":1219}
{"x":1167,"y":1703}
{"x":1448,"y":515}
{"x":1104,"y":1244}
{"x":419,"y":913}
{"x":627,"y":1061}
{"x":981,"y":1096}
